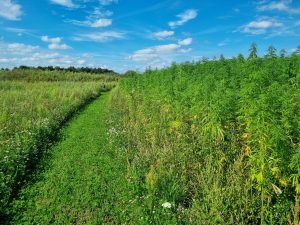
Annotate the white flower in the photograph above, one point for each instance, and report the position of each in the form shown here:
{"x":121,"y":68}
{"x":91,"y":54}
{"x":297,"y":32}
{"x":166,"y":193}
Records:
{"x":167,"y":205}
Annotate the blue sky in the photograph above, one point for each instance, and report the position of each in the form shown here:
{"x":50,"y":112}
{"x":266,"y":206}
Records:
{"x":130,"y":34}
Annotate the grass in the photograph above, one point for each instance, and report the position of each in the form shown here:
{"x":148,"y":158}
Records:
{"x":208,"y":142}
{"x":84,"y":182}
{"x":31,"y":114}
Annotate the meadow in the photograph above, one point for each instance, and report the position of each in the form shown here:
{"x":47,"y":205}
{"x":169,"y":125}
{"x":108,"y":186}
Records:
{"x":209,"y":142}
{"x":216,"y":139}
{"x":34,"y":105}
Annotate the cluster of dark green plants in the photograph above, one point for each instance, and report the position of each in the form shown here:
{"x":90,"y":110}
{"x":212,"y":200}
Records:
{"x":34,"y":105}
{"x":217,"y":139}
{"x":65,"y":69}
{"x":37,"y":75}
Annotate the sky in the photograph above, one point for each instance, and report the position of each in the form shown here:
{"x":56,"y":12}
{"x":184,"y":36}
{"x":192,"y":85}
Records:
{"x":134,"y":35}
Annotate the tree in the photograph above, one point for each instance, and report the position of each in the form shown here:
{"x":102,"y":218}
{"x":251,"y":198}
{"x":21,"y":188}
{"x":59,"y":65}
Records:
{"x":271,"y":52}
{"x":297,"y":51}
{"x":282,"y":53}
{"x":253,"y":51}
{"x":241,"y":58}
{"x":222,"y":58}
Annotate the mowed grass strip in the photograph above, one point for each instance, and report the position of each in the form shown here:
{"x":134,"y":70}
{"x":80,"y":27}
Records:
{"x":85,"y":181}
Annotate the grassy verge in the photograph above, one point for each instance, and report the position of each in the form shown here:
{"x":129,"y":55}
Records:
{"x":30,"y":117}
{"x":84,"y":179}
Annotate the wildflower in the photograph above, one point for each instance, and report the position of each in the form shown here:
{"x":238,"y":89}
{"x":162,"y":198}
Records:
{"x":167,"y":205}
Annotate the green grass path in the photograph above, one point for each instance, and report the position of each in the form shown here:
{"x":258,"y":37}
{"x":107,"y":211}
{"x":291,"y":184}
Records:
{"x":85,"y":181}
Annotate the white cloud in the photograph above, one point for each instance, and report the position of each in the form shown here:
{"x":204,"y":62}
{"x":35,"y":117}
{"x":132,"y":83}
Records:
{"x":185,"y":42}
{"x":96,"y":19}
{"x":155,"y":52}
{"x":184,"y":17}
{"x":58,"y":46}
{"x":101,"y":23}
{"x":78,"y":22}
{"x":263,"y":24}
{"x":100,"y":36}
{"x":18,"y":48}
{"x":107,"y":2}
{"x":10,"y":10}
{"x":260,"y":26}
{"x":167,"y":49}
{"x":67,"y":3}
{"x":98,"y":13}
{"x":18,"y":31}
{"x":185,"y":50}
{"x":81,"y":61}
{"x":51,"y":40}
{"x":16,"y":54}
{"x":163,"y":34}
{"x":8,"y":60}
{"x":144,"y":55}
{"x":55,"y":43}
{"x":283,"y":5}
{"x":38,"y":55}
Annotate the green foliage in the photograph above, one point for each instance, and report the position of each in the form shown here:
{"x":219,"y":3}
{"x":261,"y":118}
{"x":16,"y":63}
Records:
{"x":219,"y":140}
{"x":282,"y":53}
{"x":84,"y":178}
{"x":35,"y":75}
{"x":253,"y":51}
{"x":31,"y":114}
{"x":271,"y":52}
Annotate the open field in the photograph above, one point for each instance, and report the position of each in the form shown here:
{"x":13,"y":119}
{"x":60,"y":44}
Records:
{"x":31,"y":114}
{"x":157,"y":112}
{"x":208,"y":142}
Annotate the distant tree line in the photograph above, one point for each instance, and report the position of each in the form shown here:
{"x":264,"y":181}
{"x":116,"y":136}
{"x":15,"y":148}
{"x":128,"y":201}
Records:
{"x":68,"y":69}
{"x":271,"y":53}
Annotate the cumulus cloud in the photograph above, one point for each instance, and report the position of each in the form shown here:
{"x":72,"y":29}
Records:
{"x":101,"y":23}
{"x":185,"y":42}
{"x":10,"y":10}
{"x":283,"y":6}
{"x":260,"y":26}
{"x":163,"y":34}
{"x":55,"y":43}
{"x":19,"y":48}
{"x":155,"y":52}
{"x":58,"y":46}
{"x":66,"y":3}
{"x":184,"y":17}
{"x":100,"y":36}
{"x":51,"y":40}
{"x":16,"y":54}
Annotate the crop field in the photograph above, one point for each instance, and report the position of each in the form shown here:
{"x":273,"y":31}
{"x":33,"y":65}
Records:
{"x":157,"y":112}
{"x":207,"y":142}
{"x":217,"y":139}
